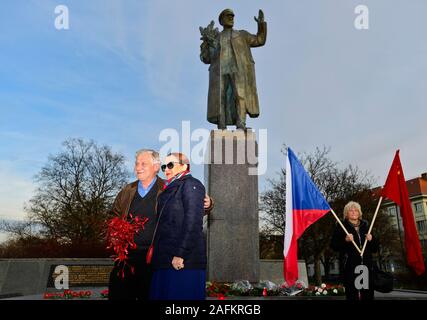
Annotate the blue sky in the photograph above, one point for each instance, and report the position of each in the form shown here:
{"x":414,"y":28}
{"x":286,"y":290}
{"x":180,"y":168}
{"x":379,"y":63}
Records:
{"x":126,"y":70}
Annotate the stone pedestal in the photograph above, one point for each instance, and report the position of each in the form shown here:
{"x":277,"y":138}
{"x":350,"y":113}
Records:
{"x":232,"y":226}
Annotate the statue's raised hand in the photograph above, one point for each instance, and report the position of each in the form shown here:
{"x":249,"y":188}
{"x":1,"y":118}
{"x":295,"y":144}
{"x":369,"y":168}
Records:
{"x":260,"y":17}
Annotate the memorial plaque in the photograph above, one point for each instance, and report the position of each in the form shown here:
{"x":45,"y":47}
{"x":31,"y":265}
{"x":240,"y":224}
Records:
{"x":82,"y":275}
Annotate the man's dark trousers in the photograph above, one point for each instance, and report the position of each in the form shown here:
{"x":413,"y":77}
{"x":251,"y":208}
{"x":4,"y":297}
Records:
{"x":133,"y":286}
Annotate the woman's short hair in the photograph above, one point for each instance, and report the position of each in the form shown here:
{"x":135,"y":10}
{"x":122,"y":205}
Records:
{"x":182,"y":158}
{"x":352,"y":205}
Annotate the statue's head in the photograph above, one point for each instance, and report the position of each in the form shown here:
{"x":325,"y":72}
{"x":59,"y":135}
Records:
{"x":226,"y":18}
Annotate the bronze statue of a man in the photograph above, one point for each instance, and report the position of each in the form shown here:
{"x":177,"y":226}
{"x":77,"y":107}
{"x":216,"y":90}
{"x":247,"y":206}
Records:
{"x":232,"y":86}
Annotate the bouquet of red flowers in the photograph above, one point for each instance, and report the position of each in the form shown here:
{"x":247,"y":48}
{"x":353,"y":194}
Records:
{"x":120,"y":237}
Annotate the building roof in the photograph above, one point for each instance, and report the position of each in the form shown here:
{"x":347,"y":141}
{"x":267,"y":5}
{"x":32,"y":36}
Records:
{"x":416,"y":187}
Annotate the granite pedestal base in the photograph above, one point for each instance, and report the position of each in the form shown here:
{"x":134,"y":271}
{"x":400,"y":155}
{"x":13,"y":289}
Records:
{"x":233,"y":227}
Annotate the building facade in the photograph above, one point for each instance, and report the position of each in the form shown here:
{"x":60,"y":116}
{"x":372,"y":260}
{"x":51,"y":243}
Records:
{"x":417,"y":190}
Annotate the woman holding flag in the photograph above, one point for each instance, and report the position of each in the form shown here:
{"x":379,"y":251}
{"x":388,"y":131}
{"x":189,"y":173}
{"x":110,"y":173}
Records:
{"x":358,"y":232}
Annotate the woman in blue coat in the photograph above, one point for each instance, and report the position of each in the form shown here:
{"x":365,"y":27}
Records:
{"x":179,"y":256}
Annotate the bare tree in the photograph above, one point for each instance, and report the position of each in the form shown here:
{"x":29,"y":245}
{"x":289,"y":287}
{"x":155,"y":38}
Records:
{"x":75,"y":191}
{"x":21,"y":229}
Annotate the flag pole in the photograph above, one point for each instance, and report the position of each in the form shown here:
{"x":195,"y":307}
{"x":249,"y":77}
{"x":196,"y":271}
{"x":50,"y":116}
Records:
{"x":370,"y":227}
{"x":345,"y":230}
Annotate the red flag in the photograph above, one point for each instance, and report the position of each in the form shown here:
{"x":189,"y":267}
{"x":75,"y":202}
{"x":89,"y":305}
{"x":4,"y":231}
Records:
{"x":395,"y":189}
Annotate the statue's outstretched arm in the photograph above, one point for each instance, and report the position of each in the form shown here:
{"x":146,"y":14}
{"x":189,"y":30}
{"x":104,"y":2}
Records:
{"x":260,"y":38}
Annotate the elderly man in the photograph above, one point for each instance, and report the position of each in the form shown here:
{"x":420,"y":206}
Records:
{"x":232,"y":86}
{"x":140,"y":199}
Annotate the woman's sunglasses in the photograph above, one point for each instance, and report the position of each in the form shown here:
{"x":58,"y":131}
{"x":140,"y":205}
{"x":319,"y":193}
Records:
{"x":170,"y":165}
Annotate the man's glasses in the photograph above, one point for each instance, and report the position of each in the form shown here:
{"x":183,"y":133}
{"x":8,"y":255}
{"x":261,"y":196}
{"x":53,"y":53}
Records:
{"x":170,"y":165}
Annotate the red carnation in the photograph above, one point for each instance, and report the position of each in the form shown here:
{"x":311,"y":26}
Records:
{"x":120,"y":237}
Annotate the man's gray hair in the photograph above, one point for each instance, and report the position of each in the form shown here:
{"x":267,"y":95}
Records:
{"x":154,"y":154}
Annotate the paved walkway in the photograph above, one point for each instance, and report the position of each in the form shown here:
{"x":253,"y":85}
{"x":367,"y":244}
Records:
{"x":96,"y":295}
{"x":394,"y":295}
{"x":403,"y":294}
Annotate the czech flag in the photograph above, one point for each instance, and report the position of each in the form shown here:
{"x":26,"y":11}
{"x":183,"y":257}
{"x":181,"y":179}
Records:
{"x":304,"y":206}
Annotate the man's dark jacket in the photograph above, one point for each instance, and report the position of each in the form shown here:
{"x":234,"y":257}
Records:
{"x":122,"y":205}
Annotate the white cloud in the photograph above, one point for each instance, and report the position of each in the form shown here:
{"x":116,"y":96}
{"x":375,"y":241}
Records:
{"x":15,"y":190}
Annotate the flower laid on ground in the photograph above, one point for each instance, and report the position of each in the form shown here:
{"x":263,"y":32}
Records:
{"x":222,"y":290}
{"x":53,"y":296}
{"x":68,"y":294}
{"x":244,"y":288}
{"x":295,"y":289}
{"x":217,"y":289}
{"x":324,"y":289}
{"x":104,"y":293}
{"x":299,"y":284}
{"x":120,"y":237}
